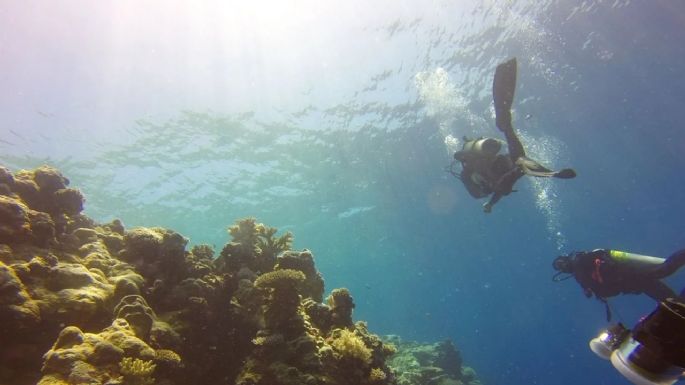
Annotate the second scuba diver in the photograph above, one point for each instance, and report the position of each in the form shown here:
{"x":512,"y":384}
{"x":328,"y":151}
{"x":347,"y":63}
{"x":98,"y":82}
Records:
{"x":607,"y":273}
{"x":484,"y":170}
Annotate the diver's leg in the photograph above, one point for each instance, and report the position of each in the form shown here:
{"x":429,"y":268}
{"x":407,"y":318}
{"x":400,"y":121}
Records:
{"x":503,"y":88}
{"x":515,"y":147}
{"x":533,"y":168}
{"x":670,"y":265}
{"x":658,"y":290}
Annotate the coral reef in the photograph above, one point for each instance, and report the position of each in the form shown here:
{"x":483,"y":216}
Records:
{"x":429,"y":364}
{"x":303,"y":261}
{"x":135,"y":371}
{"x":341,"y":304}
{"x":282,"y":300}
{"x":89,"y":303}
{"x":350,"y":347}
{"x":253,"y":247}
{"x":114,"y":355}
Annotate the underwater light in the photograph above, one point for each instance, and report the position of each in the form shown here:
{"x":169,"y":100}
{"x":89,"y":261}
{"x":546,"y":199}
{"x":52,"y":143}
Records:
{"x":653,"y":353}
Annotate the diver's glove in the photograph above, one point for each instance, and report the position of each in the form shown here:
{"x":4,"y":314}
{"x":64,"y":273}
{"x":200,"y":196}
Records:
{"x":487,"y":207}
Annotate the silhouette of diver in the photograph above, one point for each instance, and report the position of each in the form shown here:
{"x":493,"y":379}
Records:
{"x":484,"y":170}
{"x":607,"y":273}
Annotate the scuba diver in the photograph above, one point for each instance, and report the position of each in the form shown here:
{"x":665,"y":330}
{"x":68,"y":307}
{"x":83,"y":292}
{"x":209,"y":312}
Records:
{"x":484,"y":170}
{"x":607,"y":273}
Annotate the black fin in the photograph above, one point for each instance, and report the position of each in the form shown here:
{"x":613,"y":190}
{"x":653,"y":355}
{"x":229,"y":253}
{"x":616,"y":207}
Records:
{"x":567,"y":173}
{"x":503,"y":88}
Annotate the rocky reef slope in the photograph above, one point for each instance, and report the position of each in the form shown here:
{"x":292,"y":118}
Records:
{"x":89,"y":303}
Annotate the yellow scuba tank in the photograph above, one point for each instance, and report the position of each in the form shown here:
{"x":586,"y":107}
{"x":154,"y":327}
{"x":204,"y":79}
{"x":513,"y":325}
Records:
{"x":482,"y":146}
{"x":634,"y":260}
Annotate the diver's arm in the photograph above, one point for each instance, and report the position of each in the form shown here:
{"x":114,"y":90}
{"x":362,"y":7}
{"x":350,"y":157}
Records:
{"x":487,"y":207}
{"x":503,"y":187}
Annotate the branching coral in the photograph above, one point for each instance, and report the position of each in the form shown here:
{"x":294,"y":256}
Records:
{"x":377,"y":375}
{"x":351,"y":347}
{"x":136,"y":371}
{"x":253,"y":246}
{"x":245,"y":233}
{"x":271,"y":246}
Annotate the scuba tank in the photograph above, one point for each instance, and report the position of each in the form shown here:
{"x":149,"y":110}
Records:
{"x":482,"y":146}
{"x":634,"y":260}
{"x":478,"y":148}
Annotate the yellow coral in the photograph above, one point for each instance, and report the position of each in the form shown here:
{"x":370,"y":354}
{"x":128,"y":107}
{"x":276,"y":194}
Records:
{"x":349,"y":345}
{"x":340,"y":297}
{"x":377,"y":375}
{"x":168,"y":357}
{"x":389,"y":349}
{"x":286,"y":278}
{"x":136,"y":371}
{"x":245,"y":231}
{"x":271,"y":246}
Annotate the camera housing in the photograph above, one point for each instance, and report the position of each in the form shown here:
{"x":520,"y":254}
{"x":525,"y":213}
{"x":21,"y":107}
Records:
{"x":654,"y":352}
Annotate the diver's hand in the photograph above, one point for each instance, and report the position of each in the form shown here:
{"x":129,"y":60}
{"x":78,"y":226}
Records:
{"x":487,"y":207}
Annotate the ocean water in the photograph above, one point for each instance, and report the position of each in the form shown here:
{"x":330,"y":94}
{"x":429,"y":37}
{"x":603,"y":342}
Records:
{"x":335,"y":120}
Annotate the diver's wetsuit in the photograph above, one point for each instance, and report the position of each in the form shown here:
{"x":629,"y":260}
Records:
{"x":496,"y":175}
{"x":599,"y":274}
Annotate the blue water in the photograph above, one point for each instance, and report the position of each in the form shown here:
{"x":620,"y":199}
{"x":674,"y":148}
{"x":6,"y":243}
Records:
{"x":330,"y":120}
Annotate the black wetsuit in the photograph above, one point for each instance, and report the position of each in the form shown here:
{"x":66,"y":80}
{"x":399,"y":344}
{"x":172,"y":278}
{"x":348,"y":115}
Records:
{"x":496,"y":174}
{"x":483,"y":175}
{"x":600,"y":275}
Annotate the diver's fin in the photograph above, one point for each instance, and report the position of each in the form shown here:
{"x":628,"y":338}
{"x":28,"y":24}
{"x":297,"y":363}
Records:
{"x":503,"y":88}
{"x":530,"y":167}
{"x":567,"y":173}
